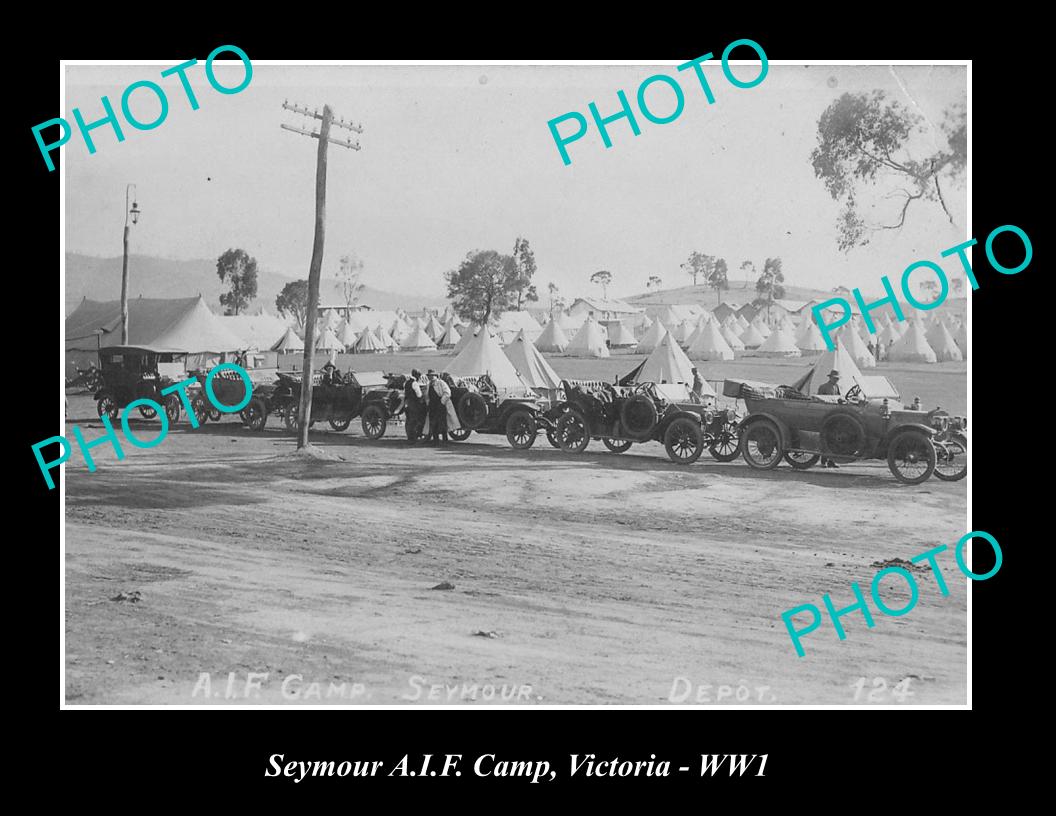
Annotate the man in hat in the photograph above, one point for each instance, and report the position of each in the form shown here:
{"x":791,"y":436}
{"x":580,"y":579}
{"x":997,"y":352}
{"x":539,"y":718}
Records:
{"x":830,"y":388}
{"x":413,"y":406}
{"x":439,"y":394}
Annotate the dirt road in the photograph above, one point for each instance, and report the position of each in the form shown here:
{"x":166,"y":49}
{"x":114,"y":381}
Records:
{"x":601,"y":578}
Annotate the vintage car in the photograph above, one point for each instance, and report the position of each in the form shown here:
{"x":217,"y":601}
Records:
{"x":128,"y":373}
{"x":336,"y":400}
{"x":486,"y":409}
{"x":620,"y":415}
{"x":784,"y":424}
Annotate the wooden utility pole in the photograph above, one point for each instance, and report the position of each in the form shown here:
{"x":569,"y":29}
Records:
{"x":314,"y":270}
{"x":133,"y":213}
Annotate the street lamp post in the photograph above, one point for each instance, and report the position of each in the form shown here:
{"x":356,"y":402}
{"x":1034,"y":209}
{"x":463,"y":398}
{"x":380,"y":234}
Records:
{"x":133,"y":213}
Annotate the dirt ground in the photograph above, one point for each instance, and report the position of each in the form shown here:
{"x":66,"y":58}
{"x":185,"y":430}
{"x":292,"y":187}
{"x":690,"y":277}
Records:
{"x":264,"y":576}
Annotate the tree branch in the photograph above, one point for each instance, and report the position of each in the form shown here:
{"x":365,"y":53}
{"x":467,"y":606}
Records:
{"x":902,"y":218}
{"x":938,"y":190}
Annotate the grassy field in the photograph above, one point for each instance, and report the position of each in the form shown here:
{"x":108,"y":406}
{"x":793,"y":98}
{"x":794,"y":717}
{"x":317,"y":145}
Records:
{"x":944,"y":384}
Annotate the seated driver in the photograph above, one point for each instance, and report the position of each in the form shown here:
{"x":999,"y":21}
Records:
{"x":330,"y":374}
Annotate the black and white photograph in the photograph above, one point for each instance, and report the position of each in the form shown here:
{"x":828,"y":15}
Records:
{"x":524,"y":383}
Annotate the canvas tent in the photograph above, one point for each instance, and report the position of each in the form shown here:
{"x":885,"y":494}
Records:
{"x":530,"y":364}
{"x":482,"y":355}
{"x":450,"y":337}
{"x":751,"y":337}
{"x":945,"y":347}
{"x":552,"y":339}
{"x":417,"y":340}
{"x":326,"y":340}
{"x":729,"y":334}
{"x":346,"y":334}
{"x":838,"y":360}
{"x":257,"y":332}
{"x":620,"y":336}
{"x":588,"y":342}
{"x":856,"y":347}
{"x":780,"y":343}
{"x":809,"y":340}
{"x":369,"y":343}
{"x":669,"y":364}
{"x":289,"y":341}
{"x":709,"y":344}
{"x":912,"y":347}
{"x":652,"y":337}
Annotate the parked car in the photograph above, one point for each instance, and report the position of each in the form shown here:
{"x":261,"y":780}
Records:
{"x":336,"y":400}
{"x":784,"y":424}
{"x":484,"y":408}
{"x":621,"y":415}
{"x":128,"y":373}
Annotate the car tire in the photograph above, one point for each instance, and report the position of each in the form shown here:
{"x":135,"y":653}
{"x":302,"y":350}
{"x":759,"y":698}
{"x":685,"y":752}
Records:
{"x":956,"y":468}
{"x":728,"y":446}
{"x":684,"y":441}
{"x":257,"y":415}
{"x":616,"y":445}
{"x":802,"y":461}
{"x":573,"y":433}
{"x":911,"y":457}
{"x":638,"y":416}
{"x":472,"y":410}
{"x":520,"y":429}
{"x":374,"y":421}
{"x":761,"y":444}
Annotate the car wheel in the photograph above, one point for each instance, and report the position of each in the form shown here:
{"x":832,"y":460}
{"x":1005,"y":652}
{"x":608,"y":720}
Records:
{"x":616,"y":445}
{"x":374,"y":422}
{"x":951,"y":458}
{"x":727,"y":445}
{"x":911,"y":457}
{"x":761,"y":445}
{"x":520,"y":429}
{"x":258,"y":415}
{"x":472,"y":410}
{"x":289,"y":418}
{"x":106,"y":406}
{"x":684,"y":441}
{"x":459,"y":434}
{"x":801,"y":460}
{"x":212,"y":412}
{"x":172,"y":408}
{"x":551,"y":437}
{"x":572,"y":433}
{"x":147,"y":412}
{"x":638,"y":416}
{"x":341,"y":424}
{"x":201,"y":413}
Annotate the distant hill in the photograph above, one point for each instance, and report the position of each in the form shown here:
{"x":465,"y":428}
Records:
{"x":100,"y":279}
{"x":739,"y":293}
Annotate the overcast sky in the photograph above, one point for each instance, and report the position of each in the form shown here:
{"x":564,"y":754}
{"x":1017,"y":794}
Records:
{"x":461,"y":158}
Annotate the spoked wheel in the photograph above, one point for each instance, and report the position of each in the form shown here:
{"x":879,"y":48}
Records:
{"x":147,"y":412}
{"x":106,"y":406}
{"x":684,"y":441}
{"x":761,"y":445}
{"x":551,"y":437}
{"x":520,"y":429}
{"x":257,"y":414}
{"x":459,"y":434}
{"x":201,"y":413}
{"x":726,"y":447}
{"x":213,"y":413}
{"x":802,"y":460}
{"x":616,"y":445}
{"x":911,"y":457}
{"x":341,"y":424}
{"x":374,"y":422}
{"x":172,"y":408}
{"x":289,"y":418}
{"x":951,"y":458}
{"x":572,"y":434}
